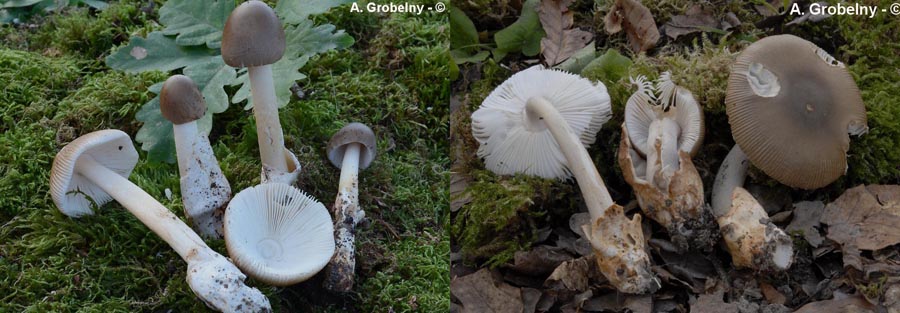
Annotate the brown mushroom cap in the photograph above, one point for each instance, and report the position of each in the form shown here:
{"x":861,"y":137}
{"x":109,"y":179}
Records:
{"x":180,"y":101}
{"x":791,"y":107}
{"x":352,"y":133}
{"x":253,"y":36}
{"x":74,"y":194}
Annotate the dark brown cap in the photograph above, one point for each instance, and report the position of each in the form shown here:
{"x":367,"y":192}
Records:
{"x":180,"y":101}
{"x":253,"y":36}
{"x":352,"y":133}
{"x":791,"y":107}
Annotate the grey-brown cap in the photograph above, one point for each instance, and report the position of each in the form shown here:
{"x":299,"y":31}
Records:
{"x":352,"y":133}
{"x":72,"y":192}
{"x":791,"y":107}
{"x":253,"y":36}
{"x":180,"y":101}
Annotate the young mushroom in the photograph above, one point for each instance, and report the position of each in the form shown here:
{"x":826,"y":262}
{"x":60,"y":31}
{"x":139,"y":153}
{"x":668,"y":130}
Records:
{"x":538,"y":122}
{"x":204,"y":189}
{"x":93,"y":169}
{"x":278,"y":234}
{"x":791,"y":107}
{"x":352,"y":148}
{"x":658,"y":137}
{"x":253,"y":38}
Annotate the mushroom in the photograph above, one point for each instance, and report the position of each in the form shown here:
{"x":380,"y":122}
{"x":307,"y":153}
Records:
{"x":253,"y":38}
{"x":658,"y":137}
{"x":537,"y":122}
{"x":94,"y":169}
{"x":791,"y":107}
{"x":278,"y":234}
{"x":204,"y":189}
{"x":352,"y":148}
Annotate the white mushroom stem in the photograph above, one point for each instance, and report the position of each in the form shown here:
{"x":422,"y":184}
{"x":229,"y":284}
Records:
{"x":268,"y":126}
{"x":216,"y":281}
{"x":185,"y":135}
{"x":731,"y":174}
{"x":596,"y":197}
{"x":346,"y":215}
{"x":662,"y":155}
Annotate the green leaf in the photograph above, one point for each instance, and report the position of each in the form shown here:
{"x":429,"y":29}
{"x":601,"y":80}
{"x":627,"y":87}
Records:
{"x":285,"y":72}
{"x":96,"y":4}
{"x":195,"y":22}
{"x":461,"y":56}
{"x":609,"y":67}
{"x":156,"y":136}
{"x":463,"y":34}
{"x":579,"y":60}
{"x":157,"y":53}
{"x":524,"y":35}
{"x":304,"y":39}
{"x":297,"y":11}
{"x":18,"y":3}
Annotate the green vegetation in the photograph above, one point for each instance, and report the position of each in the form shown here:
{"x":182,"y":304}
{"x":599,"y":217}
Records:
{"x":56,"y":88}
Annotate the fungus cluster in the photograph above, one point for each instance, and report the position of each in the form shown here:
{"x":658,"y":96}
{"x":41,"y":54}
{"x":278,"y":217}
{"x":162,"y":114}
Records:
{"x":273,"y":232}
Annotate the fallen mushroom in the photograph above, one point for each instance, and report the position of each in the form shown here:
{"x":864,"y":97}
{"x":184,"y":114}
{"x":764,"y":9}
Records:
{"x":253,"y":38}
{"x":278,"y":234}
{"x":537,"y":122}
{"x":204,"y":189}
{"x":93,"y":169}
{"x":352,"y":148}
{"x":667,"y":129}
{"x":791,"y":107}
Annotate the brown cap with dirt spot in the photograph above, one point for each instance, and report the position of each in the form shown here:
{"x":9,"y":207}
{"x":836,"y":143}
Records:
{"x":352,"y":133}
{"x":791,"y":106}
{"x":253,"y":36}
{"x":180,"y":101}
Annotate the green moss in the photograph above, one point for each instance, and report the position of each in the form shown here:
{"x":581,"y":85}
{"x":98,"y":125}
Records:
{"x":107,"y":100}
{"x":871,"y":52}
{"x":80,"y":33}
{"x":416,"y":280}
{"x":31,"y":83}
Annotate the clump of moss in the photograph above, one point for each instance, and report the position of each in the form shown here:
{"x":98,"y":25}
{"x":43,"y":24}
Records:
{"x":81,"y":34}
{"x":416,"y":280}
{"x":107,"y":100}
{"x":499,"y":220}
{"x":32,"y":82}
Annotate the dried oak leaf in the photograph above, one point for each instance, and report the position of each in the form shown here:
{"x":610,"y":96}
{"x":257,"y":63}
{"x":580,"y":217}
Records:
{"x":712,"y":303}
{"x":574,"y":274}
{"x":694,"y":20}
{"x":865,"y":217}
{"x":852,"y":304}
{"x":636,"y":20}
{"x":480,"y":292}
{"x":541,"y":260}
{"x":806,"y":220}
{"x":561,"y":40}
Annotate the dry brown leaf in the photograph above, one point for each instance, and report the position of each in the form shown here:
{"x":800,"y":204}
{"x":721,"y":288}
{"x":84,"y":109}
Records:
{"x":772,"y":295}
{"x":694,"y":20}
{"x":561,"y":40}
{"x":853,"y":304}
{"x":865,"y":217}
{"x":541,"y":260}
{"x":480,"y":292}
{"x":636,"y":20}
{"x":712,"y":303}
{"x":458,"y":195}
{"x":574,"y":274}
{"x":806,"y":220}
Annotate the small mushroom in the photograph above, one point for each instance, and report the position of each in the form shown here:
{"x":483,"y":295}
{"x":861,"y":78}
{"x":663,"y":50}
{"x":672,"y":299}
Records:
{"x":253,"y":38}
{"x":791,"y":107}
{"x":94,"y":169}
{"x":538,"y":122}
{"x":278,"y":234}
{"x":204,"y":189}
{"x":352,"y":148}
{"x":658,"y":136}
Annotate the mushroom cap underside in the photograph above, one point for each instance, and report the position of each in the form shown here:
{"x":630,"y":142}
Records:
{"x":73,"y":193}
{"x":352,"y":133}
{"x":791,"y":107}
{"x":672,"y":101}
{"x":510,"y":143}
{"x":278,"y":234}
